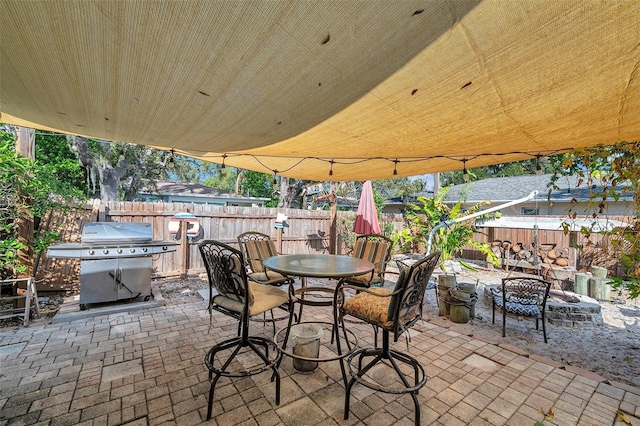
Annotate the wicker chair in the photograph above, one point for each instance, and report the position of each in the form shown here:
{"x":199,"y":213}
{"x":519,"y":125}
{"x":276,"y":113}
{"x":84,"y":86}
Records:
{"x":237,"y":297}
{"x":377,"y":250}
{"x":393,"y":312}
{"x":522,"y":296}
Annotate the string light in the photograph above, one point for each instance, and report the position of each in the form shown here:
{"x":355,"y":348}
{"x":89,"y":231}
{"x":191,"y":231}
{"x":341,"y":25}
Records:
{"x":538,"y":167}
{"x":299,"y":160}
{"x":121,"y":155}
{"x":395,"y":167}
{"x":275,"y":181}
{"x":223,"y":166}
{"x":172,"y":160}
{"x":465,"y":173}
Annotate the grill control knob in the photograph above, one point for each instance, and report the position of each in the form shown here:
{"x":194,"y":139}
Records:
{"x":132,"y":250}
{"x":144,"y":249}
{"x":91,"y":252}
{"x":164,"y":248}
{"x":119,"y":251}
{"x":105,"y":251}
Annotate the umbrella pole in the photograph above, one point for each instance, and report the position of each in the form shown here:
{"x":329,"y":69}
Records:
{"x":333,"y":202}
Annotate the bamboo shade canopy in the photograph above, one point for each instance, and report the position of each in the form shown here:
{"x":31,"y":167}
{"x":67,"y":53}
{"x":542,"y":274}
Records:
{"x":359,"y":89}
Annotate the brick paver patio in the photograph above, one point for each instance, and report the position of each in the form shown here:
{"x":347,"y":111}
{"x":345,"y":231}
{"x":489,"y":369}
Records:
{"x":145,"y":367}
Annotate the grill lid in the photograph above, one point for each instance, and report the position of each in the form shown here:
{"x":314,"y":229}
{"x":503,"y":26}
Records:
{"x":111,"y":232}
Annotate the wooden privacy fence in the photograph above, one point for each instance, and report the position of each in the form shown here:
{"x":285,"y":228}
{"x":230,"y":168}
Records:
{"x":307,"y":231}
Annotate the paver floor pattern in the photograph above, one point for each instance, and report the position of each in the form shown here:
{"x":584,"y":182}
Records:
{"x":147,"y":368}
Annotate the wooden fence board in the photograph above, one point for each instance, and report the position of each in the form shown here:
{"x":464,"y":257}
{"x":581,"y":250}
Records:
{"x":307,"y":232}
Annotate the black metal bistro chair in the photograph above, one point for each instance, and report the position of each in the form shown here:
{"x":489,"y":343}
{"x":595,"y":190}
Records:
{"x":377,"y":250}
{"x":521,"y":296}
{"x":232,"y":294}
{"x":256,"y":247}
{"x":393,"y":311}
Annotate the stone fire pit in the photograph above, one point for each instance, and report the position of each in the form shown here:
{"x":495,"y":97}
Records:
{"x":586,"y":312}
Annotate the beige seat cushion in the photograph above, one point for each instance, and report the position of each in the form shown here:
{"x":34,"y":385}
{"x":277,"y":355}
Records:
{"x":377,"y":305}
{"x":370,"y":307}
{"x":264,"y":298}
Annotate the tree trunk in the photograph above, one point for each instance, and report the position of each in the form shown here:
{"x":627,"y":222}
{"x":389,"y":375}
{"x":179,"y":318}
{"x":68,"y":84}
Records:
{"x":288,"y":192}
{"x":109,"y":177}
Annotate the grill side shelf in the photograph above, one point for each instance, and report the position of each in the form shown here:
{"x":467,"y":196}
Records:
{"x":109,"y":251}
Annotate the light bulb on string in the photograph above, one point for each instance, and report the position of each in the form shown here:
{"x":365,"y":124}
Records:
{"x":538,"y":166}
{"x":331,"y":168}
{"x":121,"y":155}
{"x":465,"y":173}
{"x":395,"y":167}
{"x":275,"y":181}
{"x":172,"y":160}
{"x":223,"y":167}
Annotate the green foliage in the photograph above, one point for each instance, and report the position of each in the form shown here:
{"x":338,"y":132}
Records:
{"x":14,"y":172}
{"x":400,"y":187}
{"x":404,"y":240}
{"x":344,"y":228}
{"x":28,"y":189}
{"x":223,"y":179}
{"x":44,"y":240}
{"x":256,"y":184}
{"x":54,"y":155}
{"x":449,"y":240}
{"x":617,"y":169}
{"x":9,"y":260}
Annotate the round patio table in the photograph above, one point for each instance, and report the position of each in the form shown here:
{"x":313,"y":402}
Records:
{"x":317,"y":266}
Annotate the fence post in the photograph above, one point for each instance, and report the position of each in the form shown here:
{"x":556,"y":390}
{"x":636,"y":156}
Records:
{"x":279,"y":239}
{"x":184,"y":249}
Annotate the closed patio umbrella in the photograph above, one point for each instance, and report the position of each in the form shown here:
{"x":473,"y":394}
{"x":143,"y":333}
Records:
{"x":367,"y":216}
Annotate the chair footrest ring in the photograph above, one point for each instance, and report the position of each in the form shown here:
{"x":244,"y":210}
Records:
{"x":254,"y":344}
{"x":396,"y":355}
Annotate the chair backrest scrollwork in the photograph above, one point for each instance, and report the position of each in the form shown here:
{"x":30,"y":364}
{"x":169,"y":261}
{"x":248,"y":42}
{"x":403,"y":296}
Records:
{"x":405,"y":306}
{"x":224,"y":265}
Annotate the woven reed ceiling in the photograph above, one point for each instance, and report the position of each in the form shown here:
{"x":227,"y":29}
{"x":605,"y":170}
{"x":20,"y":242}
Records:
{"x":415,"y":86}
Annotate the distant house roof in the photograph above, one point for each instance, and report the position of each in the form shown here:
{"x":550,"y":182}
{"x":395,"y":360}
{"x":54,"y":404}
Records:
{"x":403,"y":201}
{"x":504,"y":189}
{"x":168,"y":188}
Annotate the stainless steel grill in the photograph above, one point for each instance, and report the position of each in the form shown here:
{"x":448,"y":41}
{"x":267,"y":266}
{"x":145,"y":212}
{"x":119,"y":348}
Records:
{"x":115,"y":260}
